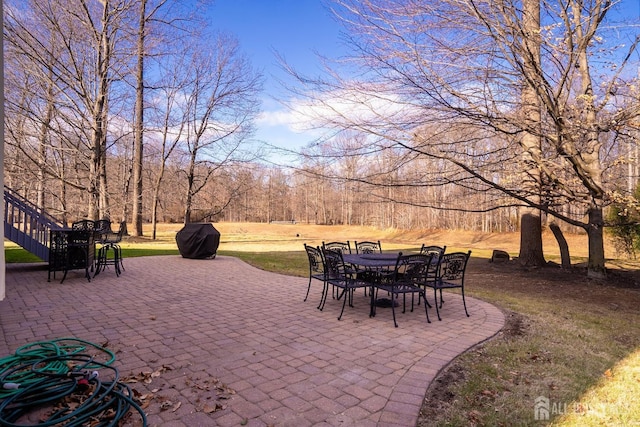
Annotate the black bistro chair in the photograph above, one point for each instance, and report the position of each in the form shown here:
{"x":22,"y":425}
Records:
{"x":316,"y":269}
{"x":343,"y":248}
{"x":341,"y":277}
{"x":436,"y":253}
{"x":408,"y":277}
{"x":110,"y":242}
{"x":368,"y":247}
{"x":450,"y":275}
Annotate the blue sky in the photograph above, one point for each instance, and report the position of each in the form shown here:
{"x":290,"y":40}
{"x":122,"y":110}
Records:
{"x":296,"y":29}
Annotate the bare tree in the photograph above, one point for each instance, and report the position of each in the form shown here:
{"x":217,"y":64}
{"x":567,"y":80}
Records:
{"x":160,"y":23}
{"x":531,"y":253}
{"x":168,"y":127}
{"x":72,"y":51}
{"x":447,"y":80}
{"x":138,"y":146}
{"x":221,"y":102}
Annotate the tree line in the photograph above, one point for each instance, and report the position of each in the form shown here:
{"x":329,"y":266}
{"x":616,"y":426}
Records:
{"x":494,"y":116}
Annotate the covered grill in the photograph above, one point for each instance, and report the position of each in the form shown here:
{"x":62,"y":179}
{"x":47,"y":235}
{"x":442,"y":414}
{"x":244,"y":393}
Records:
{"x":198,"y":241}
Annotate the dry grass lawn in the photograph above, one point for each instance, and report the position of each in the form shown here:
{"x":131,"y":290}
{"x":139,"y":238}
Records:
{"x":290,"y":237}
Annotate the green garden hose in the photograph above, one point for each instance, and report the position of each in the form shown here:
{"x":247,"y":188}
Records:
{"x":23,"y":356}
{"x":61,"y":381}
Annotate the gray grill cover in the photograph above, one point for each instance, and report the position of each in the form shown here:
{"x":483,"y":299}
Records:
{"x":198,"y":241}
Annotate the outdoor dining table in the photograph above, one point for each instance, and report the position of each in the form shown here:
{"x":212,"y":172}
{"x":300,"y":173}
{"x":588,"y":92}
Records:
{"x":374,"y":263}
{"x":371,"y":261}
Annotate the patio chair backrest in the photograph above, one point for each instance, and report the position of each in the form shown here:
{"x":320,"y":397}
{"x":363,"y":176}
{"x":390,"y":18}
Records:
{"x":437,"y":251}
{"x":316,"y":264}
{"x":342,"y":247}
{"x":102,"y":226}
{"x":412,"y":268}
{"x":453,"y":267}
{"x":121,"y":230}
{"x":115,"y":237}
{"x":368,"y":247}
{"x":83,"y":225}
{"x":335,"y":268}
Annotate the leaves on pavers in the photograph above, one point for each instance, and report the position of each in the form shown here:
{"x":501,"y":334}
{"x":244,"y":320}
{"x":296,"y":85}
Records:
{"x":209,"y":408}
{"x":212,"y":403}
{"x":222,"y":390}
{"x":147,"y":376}
{"x":165,"y":403}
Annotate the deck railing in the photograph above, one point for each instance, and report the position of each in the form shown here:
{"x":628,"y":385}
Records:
{"x":27,"y":225}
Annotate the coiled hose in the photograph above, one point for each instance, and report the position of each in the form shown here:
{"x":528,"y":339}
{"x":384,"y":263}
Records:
{"x":60,"y":382}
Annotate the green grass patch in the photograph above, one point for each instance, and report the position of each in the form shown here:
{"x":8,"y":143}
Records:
{"x":15,"y":254}
{"x":293,"y":263}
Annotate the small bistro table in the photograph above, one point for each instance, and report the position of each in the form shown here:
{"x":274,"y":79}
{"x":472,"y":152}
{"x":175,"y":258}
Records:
{"x":70,"y":249}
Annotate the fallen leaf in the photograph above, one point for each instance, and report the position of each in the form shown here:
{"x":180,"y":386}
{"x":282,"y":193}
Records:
{"x":210,"y":408}
{"x":165,"y":404}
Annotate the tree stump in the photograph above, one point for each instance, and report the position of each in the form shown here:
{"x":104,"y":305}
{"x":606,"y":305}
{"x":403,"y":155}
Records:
{"x":499,"y":256}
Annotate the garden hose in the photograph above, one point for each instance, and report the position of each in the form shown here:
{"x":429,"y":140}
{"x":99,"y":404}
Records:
{"x":12,"y":379}
{"x":63,"y":384}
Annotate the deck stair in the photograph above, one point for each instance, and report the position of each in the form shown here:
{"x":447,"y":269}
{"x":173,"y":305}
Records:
{"x":27,"y":225}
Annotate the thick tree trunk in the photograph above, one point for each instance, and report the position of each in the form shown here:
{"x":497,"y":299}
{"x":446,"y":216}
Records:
{"x":596,"y":267}
{"x":531,"y":254}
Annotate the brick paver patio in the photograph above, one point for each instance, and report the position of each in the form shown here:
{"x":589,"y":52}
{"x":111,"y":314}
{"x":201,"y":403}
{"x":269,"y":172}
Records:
{"x":233,"y":345}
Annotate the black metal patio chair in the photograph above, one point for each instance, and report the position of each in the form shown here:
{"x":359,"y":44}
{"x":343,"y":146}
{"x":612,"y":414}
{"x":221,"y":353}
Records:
{"x":451,"y":272}
{"x":316,"y":270}
{"x":436,"y":252}
{"x":368,"y":247}
{"x":110,"y":241}
{"x":341,"y":276}
{"x":343,"y":248}
{"x":407,"y":278}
